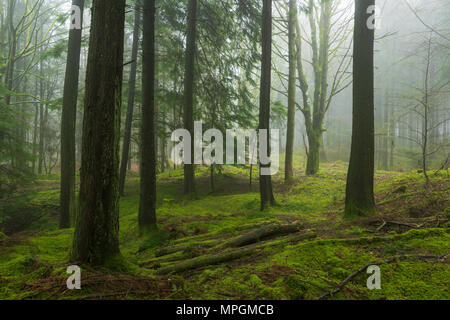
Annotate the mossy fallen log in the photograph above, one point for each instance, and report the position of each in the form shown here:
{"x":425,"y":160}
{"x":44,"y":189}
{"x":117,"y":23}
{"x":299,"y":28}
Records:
{"x":202,"y":261}
{"x":263,"y":233}
{"x":172,"y":249}
{"x":411,"y":234}
{"x":175,"y":256}
{"x":212,"y":235}
{"x":207,"y":260}
{"x":302,"y":236}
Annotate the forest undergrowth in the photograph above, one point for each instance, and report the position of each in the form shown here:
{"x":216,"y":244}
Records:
{"x":221,"y":246}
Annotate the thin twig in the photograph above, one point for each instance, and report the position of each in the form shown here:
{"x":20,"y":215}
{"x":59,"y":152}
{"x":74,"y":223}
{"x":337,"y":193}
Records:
{"x":357,"y":272}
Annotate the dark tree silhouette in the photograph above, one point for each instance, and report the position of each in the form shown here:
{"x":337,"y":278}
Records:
{"x":265,"y":181}
{"x":130,"y":102}
{"x":97,"y":228}
{"x":359,"y":194}
{"x":292,"y":20}
{"x":147,"y":205}
{"x":68,"y":121}
{"x":189,"y":180}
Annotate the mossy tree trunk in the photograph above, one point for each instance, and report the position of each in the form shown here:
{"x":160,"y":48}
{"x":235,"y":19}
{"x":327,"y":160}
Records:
{"x":68,"y":122}
{"x":96,"y":237}
{"x":314,"y":111}
{"x":147,"y":204}
{"x":265,"y":181}
{"x":359,"y":193}
{"x":289,"y":171}
{"x":41,"y":117}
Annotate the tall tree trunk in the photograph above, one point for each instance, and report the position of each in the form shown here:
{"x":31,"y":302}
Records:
{"x":163,"y":154}
{"x":265,"y":181}
{"x":314,"y":116}
{"x":426,"y":115}
{"x":359,"y":193}
{"x":189,"y":180}
{"x":131,"y":94}
{"x":323,"y":153}
{"x":35,"y":134}
{"x":391,"y":138}
{"x":147,"y":205}
{"x":41,"y":118}
{"x":20,"y":145}
{"x":96,"y":237}
{"x":289,"y":171}
{"x":385,"y":135}
{"x":12,"y":39}
{"x":320,"y":90}
{"x":44,"y":159}
{"x":129,"y":158}
{"x":313,"y":159}
{"x":68,"y":123}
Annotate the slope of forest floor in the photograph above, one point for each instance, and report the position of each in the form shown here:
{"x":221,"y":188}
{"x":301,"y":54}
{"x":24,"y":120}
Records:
{"x":199,"y":250}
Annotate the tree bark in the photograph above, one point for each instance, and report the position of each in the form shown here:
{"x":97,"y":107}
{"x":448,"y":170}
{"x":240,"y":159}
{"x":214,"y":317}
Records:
{"x":359,"y":192}
{"x":35,"y":134}
{"x":147,"y":204}
{"x":385,"y":138}
{"x":189,"y":180}
{"x":131,"y":95}
{"x":289,"y":171}
{"x":313,"y":159}
{"x":314,"y":111}
{"x":96,"y":239}
{"x":68,"y":122}
{"x":263,"y":233}
{"x":265,"y":181}
{"x":41,"y":118}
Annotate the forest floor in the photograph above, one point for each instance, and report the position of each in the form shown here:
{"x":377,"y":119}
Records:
{"x":300,"y":249}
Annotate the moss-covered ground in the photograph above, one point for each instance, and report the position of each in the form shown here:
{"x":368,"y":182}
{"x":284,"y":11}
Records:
{"x":411,"y":220}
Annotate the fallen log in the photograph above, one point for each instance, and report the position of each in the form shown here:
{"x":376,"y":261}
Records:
{"x":230,"y":255}
{"x":263,"y":233}
{"x":176,"y":256}
{"x":206,"y":260}
{"x":213,"y":235}
{"x":302,"y":236}
{"x":172,"y":249}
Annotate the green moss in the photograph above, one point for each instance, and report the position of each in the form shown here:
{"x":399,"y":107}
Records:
{"x":155,"y":238}
{"x":255,"y":281}
{"x":447,"y":212}
{"x":413,"y":280}
{"x":401,"y":189}
{"x":119,"y":263}
{"x":298,"y":271}
{"x":355,"y":231}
